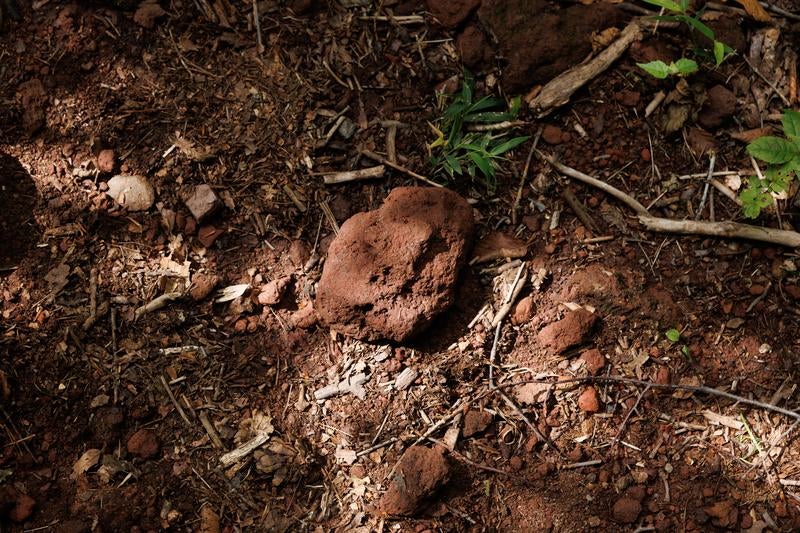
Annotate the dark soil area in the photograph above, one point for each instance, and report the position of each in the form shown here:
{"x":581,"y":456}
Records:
{"x":183,"y":348}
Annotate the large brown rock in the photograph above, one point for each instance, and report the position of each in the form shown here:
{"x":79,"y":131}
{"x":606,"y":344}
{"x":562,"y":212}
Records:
{"x":392,"y":270}
{"x":539,"y":42}
{"x":421,"y":472}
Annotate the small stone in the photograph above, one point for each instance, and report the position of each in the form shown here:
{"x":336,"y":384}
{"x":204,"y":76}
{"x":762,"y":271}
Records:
{"x":202,"y":202}
{"x":756,"y":290}
{"x":719,"y":106}
{"x":305,"y":317}
{"x":106,"y":160}
{"x":144,"y":443}
{"x":475,"y":422}
{"x":629,"y":98}
{"x":523,"y":311}
{"x":516,"y":463}
{"x":134,"y":193}
{"x":23,"y":508}
{"x":552,"y":134}
{"x":662,"y":375}
{"x":202,"y":286}
{"x":593,"y":360}
{"x":208,"y":234}
{"x":588,"y":401}
{"x":645,"y":154}
{"x":570,"y":331}
{"x":272,"y":292}
{"x":626,"y":510}
{"x":240,"y":326}
{"x":420,"y":473}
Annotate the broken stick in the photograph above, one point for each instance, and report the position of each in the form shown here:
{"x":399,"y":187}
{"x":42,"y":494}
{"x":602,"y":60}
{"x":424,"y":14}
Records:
{"x":354,"y":175}
{"x":558,"y":91}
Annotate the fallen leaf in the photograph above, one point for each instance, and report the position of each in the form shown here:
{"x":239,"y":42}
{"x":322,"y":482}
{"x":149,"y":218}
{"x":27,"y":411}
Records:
{"x":734,"y":323}
{"x":86,"y":461}
{"x":231,"y":292}
{"x":755,"y":10}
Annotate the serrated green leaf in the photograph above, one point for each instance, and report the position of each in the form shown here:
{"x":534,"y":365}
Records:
{"x":773,"y":149}
{"x":657,"y":69}
{"x":673,"y":335}
{"x":669,"y":5}
{"x":719,"y":52}
{"x":684,"y":67}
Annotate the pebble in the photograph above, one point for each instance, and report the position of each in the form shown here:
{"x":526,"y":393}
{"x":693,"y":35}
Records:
{"x":552,"y":134}
{"x":588,"y":401}
{"x":593,"y":360}
{"x":144,"y":443}
{"x":626,"y":510}
{"x":134,"y":193}
{"x":523,"y":311}
{"x":106,"y":161}
{"x":202,"y":286}
{"x":201,"y":201}
{"x":208,"y":234}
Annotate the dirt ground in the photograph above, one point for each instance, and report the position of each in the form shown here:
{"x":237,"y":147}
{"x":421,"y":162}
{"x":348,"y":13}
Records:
{"x":118,"y":416}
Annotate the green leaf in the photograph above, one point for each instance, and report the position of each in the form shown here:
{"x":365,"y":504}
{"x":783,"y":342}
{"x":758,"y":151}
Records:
{"x":673,"y":335}
{"x":684,"y":67}
{"x":773,"y":149}
{"x":719,"y":52}
{"x":483,"y":164}
{"x":489,"y":117}
{"x":508,"y":145}
{"x":657,"y":69}
{"x":791,"y":124}
{"x":669,"y":5}
{"x":699,"y":26}
{"x":754,"y":198}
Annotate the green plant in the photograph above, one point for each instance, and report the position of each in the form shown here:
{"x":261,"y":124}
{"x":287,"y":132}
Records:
{"x":684,"y":67}
{"x":457,"y":150}
{"x":782,"y":154}
{"x":673,"y":335}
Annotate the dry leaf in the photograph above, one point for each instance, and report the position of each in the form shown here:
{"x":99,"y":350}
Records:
{"x":755,"y":10}
{"x":87,"y":461}
{"x":692,"y":381}
{"x":231,"y":292}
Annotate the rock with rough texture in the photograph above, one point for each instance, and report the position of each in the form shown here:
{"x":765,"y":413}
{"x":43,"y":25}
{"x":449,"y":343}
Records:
{"x":392,"y":270}
{"x":451,"y":13}
{"x":570,"y":331}
{"x":719,"y":106}
{"x":593,"y":360}
{"x":202,"y":286}
{"x":626,"y":510}
{"x":588,"y":401}
{"x":106,"y":160}
{"x":420,"y":473}
{"x":474,"y":422}
{"x":201,"y":201}
{"x":144,"y":443}
{"x":523,"y":311}
{"x":539,"y":42}
{"x":272,"y":292}
{"x":134,"y":193}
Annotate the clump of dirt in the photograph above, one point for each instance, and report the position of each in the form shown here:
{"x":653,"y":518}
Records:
{"x":391,"y":271}
{"x":420,"y":473}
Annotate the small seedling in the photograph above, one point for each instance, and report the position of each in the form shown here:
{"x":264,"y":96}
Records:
{"x":673,"y":335}
{"x":782,"y":154}
{"x":684,"y":67}
{"x":457,"y":150}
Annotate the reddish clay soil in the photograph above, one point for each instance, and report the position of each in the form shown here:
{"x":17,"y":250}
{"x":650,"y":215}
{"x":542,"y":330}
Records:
{"x":230,"y":406}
